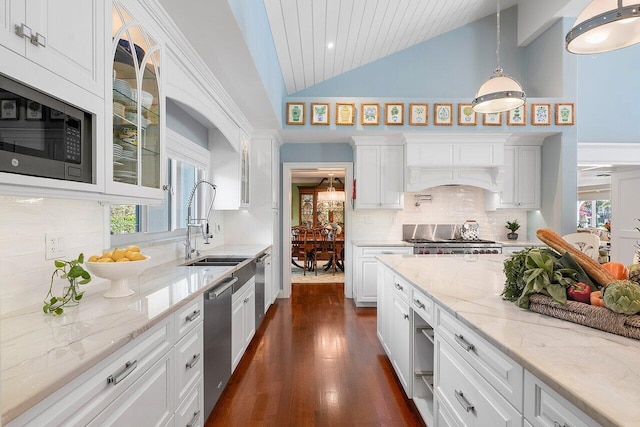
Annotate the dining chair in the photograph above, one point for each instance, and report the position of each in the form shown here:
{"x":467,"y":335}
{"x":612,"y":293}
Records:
{"x":587,"y":243}
{"x":328,"y":246}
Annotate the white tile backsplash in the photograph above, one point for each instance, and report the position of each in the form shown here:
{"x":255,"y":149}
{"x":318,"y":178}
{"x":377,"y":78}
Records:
{"x":449,"y":205}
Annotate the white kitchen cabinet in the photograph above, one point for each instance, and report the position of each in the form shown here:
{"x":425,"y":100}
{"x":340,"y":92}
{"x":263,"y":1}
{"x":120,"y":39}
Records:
{"x":400,"y":345}
{"x":190,"y":412}
{"x":88,"y":395}
{"x":423,"y":356}
{"x":230,"y":169}
{"x":189,"y":362}
{"x":544,"y":407}
{"x":365,"y":283}
{"x":148,"y":402}
{"x":268,"y":284}
{"x":522,"y":178}
{"x":243,"y":321}
{"x":66,"y":39}
{"x":504,"y":374}
{"x":468,"y":396}
{"x":379,"y":176}
{"x":137,"y":165}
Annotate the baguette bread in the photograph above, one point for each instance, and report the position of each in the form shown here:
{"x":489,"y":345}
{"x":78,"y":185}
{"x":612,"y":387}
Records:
{"x":596,"y":271}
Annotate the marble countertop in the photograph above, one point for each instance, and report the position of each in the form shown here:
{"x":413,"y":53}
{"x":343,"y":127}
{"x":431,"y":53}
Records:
{"x":381,"y":243}
{"x":524,"y":243}
{"x":597,"y":371}
{"x":40,"y":353}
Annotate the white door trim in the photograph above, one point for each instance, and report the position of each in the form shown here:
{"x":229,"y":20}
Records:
{"x":287,"y":168}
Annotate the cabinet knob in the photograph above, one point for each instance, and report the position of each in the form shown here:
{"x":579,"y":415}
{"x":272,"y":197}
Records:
{"x":406,"y":316}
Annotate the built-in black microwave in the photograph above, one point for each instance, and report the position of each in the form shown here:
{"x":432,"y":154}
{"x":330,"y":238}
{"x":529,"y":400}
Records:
{"x":43,"y":136}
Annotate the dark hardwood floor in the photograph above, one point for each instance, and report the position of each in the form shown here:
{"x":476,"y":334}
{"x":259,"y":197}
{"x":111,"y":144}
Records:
{"x":315,"y":361}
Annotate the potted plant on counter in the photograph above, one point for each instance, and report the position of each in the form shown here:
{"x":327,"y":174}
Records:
{"x":76,"y":275}
{"x":512,"y":226}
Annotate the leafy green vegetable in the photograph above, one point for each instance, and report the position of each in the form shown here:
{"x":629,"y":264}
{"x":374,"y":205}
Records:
{"x":514,"y":269}
{"x":567,"y":261}
{"x":536,"y":270}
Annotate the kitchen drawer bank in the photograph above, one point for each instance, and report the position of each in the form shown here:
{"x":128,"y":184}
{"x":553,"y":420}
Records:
{"x":41,"y":354}
{"x":562,"y":381}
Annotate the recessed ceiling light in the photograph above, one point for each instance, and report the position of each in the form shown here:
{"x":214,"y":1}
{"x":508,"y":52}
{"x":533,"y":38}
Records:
{"x":330,"y":45}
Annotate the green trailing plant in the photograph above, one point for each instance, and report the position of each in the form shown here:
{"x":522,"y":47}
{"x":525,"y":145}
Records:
{"x":76,"y":275}
{"x":513,"y":226}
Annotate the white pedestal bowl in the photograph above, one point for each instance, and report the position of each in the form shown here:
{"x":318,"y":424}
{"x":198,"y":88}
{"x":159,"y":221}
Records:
{"x":119,"y":273}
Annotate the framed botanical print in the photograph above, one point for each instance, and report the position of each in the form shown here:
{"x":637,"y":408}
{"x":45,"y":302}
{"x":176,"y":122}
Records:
{"x":466,"y":115}
{"x":369,"y":114}
{"x":443,"y":114}
{"x":9,"y":109}
{"x":394,"y":114}
{"x":345,"y":114}
{"x":492,"y":119}
{"x":418,"y":114}
{"x":565,"y":114}
{"x":34,"y":110}
{"x":319,"y":113}
{"x":517,"y":116}
{"x":295,"y":113}
{"x":540,"y":114}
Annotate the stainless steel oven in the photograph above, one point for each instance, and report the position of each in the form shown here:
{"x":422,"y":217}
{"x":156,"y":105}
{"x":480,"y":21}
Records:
{"x":43,"y":136}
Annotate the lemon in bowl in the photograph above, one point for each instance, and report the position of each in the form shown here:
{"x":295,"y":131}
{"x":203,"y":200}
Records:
{"x":118,"y":266}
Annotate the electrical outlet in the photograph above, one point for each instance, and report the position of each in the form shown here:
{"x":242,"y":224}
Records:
{"x":53,"y":245}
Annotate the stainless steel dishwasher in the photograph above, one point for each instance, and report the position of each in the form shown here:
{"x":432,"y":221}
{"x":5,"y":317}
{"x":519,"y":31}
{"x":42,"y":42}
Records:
{"x":217,"y":341}
{"x":217,"y":333}
{"x":260,"y":283}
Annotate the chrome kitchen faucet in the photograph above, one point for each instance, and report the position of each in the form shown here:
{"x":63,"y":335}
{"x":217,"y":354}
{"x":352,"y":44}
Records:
{"x":197,"y":222}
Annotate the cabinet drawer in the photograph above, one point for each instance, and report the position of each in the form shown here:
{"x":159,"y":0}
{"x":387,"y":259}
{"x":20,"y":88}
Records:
{"x":544,"y":407}
{"x":189,"y":362}
{"x":495,"y":367}
{"x":79,"y":402}
{"x":423,"y":305}
{"x":384,"y":250}
{"x":190,"y":413}
{"x":188,"y":317}
{"x":148,"y":402}
{"x":470,"y":398}
{"x":402,"y":288}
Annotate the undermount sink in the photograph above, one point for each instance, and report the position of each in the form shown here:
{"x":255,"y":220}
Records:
{"x":217,"y":261}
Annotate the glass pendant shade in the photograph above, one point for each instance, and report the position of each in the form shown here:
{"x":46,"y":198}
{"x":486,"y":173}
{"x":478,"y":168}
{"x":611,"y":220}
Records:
{"x":331,"y":195}
{"x":605,"y":25}
{"x":499,"y":93}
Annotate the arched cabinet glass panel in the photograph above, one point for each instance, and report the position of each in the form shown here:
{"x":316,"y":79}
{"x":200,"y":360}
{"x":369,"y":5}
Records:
{"x":136,"y":103}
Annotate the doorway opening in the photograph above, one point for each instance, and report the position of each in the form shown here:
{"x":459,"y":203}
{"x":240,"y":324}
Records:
{"x":315,"y":222}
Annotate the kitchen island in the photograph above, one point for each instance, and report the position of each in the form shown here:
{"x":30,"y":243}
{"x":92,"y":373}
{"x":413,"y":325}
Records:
{"x":597,"y":372}
{"x":40,"y":354}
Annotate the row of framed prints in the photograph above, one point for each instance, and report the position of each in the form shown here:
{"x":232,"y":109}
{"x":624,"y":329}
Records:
{"x":443,"y":114}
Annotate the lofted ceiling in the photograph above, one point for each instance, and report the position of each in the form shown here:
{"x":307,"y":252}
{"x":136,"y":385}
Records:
{"x":360,"y":31}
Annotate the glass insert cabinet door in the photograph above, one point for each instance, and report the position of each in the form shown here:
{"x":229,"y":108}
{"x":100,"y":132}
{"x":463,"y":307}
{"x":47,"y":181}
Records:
{"x":136,"y":103}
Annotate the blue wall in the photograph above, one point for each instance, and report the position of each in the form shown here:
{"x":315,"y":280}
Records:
{"x":608,"y":88}
{"x":254,"y":24}
{"x":316,"y":152}
{"x":183,"y":123}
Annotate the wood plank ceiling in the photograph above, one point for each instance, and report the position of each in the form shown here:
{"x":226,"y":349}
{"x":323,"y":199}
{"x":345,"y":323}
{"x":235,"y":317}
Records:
{"x":361,"y":31}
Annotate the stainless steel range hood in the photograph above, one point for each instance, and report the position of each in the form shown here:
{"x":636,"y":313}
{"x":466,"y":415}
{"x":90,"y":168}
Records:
{"x":436,"y":159}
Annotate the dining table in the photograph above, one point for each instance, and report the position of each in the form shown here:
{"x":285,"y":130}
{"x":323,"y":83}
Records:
{"x":338,"y":249}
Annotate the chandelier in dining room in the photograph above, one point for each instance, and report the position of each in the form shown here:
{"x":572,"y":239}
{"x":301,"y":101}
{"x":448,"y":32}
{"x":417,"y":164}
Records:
{"x":331,"y":199}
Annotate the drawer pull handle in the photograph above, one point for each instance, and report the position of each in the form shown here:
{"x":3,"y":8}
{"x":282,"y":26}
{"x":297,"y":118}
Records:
{"x":398,"y":287}
{"x":193,"y":361}
{"x":419,"y":304}
{"x":557,"y":424}
{"x":464,"y":343}
{"x":22,"y":31}
{"x":128,"y":368}
{"x":386,"y":253}
{"x":406,"y":316}
{"x":246,"y":300}
{"x":193,"y":316}
{"x":464,"y":402}
{"x":194,"y":419}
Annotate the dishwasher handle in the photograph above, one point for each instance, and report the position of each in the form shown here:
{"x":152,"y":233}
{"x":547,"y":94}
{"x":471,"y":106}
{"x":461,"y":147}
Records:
{"x":264,"y":257}
{"x":216,"y":292}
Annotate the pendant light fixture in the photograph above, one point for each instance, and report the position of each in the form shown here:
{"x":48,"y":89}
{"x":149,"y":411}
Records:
{"x":605,"y":25}
{"x":330,"y":194}
{"x":500,"y":92}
